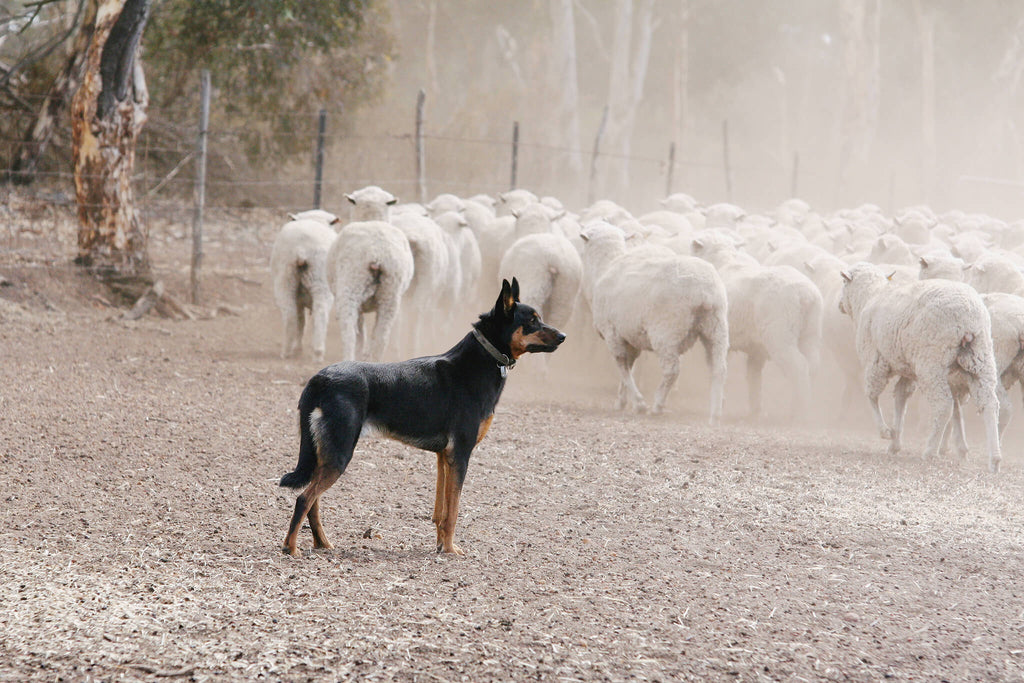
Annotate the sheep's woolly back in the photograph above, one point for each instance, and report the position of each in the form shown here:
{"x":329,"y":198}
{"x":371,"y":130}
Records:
{"x":365,"y":251}
{"x":549,"y":271}
{"x":371,"y":203}
{"x":298,"y":266}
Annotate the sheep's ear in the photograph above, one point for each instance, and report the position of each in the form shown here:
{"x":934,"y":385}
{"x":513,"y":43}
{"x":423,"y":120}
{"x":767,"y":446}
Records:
{"x":890,"y":276}
{"x":506,"y":302}
{"x":967,"y":265}
{"x":350,"y":198}
{"x":292,"y":217}
{"x":336,"y":221}
{"x":808,"y":266}
{"x":697,"y":244}
{"x":394,"y":200}
{"x":924,"y":263}
{"x":515,"y":213}
{"x":515,"y":290}
{"x":585,"y":236}
{"x":846,"y":276}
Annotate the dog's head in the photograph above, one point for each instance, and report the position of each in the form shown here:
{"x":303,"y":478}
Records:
{"x":521,"y":326}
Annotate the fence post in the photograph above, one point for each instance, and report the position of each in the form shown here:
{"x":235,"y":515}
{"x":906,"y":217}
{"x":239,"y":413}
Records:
{"x":319,"y":178}
{"x":593,"y":157}
{"x":725,"y":157}
{"x":671,"y":167}
{"x":796,"y":173}
{"x":200,"y":189}
{"x":515,"y":155}
{"x":421,"y":166}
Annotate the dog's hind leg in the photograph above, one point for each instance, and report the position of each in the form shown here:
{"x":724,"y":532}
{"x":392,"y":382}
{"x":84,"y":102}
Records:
{"x":439,"y":498}
{"x":323,"y":477}
{"x":319,"y":537}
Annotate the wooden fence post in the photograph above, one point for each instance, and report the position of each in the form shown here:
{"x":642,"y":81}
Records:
{"x":796,"y":174}
{"x":725,"y":157}
{"x":319,"y":178}
{"x":593,"y":158}
{"x":515,"y":155}
{"x":421,"y":166}
{"x":671,"y":168}
{"x":200,"y":189}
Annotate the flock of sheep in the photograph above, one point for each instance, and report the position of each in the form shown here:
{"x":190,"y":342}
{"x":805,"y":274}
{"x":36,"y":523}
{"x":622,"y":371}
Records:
{"x":933,"y":300}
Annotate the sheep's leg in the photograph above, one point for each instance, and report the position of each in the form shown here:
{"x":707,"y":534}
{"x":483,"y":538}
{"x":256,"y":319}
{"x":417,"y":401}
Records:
{"x":796,"y":367}
{"x":320,"y":315}
{"x":625,"y":357}
{"x":717,"y":354}
{"x":985,"y":396}
{"x":1005,"y":408}
{"x":940,"y":399}
{"x":876,"y":376}
{"x":669,"y":373}
{"x":348,"y":324}
{"x":292,"y":338}
{"x":901,"y":393}
{"x":360,"y":336}
{"x":755,"y":369}
{"x":382,"y":329}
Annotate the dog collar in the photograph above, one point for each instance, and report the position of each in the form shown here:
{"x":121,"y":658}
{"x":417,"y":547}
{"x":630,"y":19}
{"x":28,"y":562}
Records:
{"x":504,"y":362}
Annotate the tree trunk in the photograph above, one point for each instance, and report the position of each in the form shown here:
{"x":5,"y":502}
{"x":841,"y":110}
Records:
{"x":681,"y":82}
{"x":565,"y":85}
{"x":107,"y":113}
{"x":929,"y":149}
{"x":39,"y":135}
{"x":861,"y":35}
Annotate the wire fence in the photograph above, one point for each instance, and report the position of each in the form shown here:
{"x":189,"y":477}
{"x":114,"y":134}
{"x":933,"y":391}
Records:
{"x":465,"y":164}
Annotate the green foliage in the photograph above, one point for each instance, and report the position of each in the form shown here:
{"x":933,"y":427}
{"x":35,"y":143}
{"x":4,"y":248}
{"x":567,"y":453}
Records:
{"x":274,"y":64}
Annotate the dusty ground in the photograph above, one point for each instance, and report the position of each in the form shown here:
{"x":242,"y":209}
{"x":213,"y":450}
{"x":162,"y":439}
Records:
{"x":141,"y":520}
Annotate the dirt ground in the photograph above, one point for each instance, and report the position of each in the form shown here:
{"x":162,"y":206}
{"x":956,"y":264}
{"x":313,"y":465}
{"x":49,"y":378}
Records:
{"x":141,"y":522}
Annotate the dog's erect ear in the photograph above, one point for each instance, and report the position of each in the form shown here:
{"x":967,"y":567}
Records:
{"x":505,"y":301}
{"x":515,"y":290}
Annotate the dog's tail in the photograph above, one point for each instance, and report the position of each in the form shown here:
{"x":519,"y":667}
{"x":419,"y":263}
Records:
{"x":309,"y":419}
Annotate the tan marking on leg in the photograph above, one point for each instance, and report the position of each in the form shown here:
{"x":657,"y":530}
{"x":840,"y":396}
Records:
{"x":322,"y":480}
{"x":452,"y":492}
{"x":439,"y":497}
{"x":319,"y":537}
{"x":484,"y":427}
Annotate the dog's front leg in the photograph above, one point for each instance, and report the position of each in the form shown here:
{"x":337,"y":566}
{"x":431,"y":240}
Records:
{"x":454,"y":467}
{"x":439,"y":498}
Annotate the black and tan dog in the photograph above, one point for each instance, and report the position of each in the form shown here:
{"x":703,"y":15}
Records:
{"x":443,"y":404}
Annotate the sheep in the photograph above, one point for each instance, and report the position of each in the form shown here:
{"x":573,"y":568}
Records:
{"x":465,"y":253}
{"x":992,"y":272}
{"x":932,"y":333}
{"x":369,"y":268}
{"x":316,"y":214}
{"x":298,"y":266}
{"x":1007,"y":314}
{"x":550,"y":270}
{"x":774,"y":314}
{"x":431,"y":280}
{"x":512,"y":201}
{"x":652,"y":299}
{"x":371,"y":203}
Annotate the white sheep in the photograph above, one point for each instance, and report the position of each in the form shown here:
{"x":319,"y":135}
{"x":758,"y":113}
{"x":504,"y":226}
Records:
{"x":549,"y":270}
{"x":369,"y":268}
{"x":316,"y":214}
{"x":465,"y":251}
{"x":774,"y":314}
{"x":1007,"y":314}
{"x":652,"y":299}
{"x":298,"y":266}
{"x":933,"y":333}
{"x":431,"y":280}
{"x":371,"y":203}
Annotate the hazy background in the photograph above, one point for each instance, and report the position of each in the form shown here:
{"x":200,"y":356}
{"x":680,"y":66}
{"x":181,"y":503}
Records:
{"x":894,"y":102}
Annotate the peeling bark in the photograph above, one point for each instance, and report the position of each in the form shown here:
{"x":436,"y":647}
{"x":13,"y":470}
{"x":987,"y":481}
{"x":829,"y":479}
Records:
{"x":107,"y":114}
